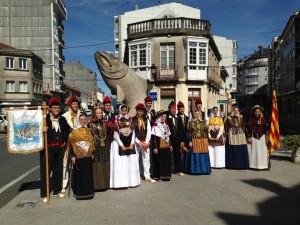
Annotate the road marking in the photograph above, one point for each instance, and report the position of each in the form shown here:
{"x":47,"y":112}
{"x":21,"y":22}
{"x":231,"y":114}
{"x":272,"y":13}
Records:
{"x":4,"y":188}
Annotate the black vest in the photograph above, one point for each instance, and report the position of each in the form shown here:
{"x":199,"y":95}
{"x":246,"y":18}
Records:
{"x":59,"y":136}
{"x":140,"y":134}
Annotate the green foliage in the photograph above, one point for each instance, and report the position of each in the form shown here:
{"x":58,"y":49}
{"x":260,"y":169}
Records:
{"x":292,"y":142}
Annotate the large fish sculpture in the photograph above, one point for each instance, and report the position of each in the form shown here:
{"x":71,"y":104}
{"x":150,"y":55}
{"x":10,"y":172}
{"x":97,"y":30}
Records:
{"x":122,"y":81}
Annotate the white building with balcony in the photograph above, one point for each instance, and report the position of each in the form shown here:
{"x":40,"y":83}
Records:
{"x":173,"y":50}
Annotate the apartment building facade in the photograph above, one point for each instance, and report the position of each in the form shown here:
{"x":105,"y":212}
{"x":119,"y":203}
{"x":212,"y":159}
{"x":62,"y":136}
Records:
{"x":37,"y":26}
{"x":21,"y":75}
{"x":253,"y":79}
{"x":83,"y":79}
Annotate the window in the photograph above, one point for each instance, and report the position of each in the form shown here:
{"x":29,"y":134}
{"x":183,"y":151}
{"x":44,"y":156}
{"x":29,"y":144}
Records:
{"x":197,"y":53}
{"x":167,"y":56}
{"x":9,"y":63}
{"x":23,"y":86}
{"x":139,"y":55}
{"x":22,"y":64}
{"x":233,"y":58}
{"x":10,"y":86}
{"x":233,"y":70}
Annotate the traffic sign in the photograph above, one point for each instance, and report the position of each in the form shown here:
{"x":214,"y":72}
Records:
{"x":225,"y":101}
{"x":153,"y":95}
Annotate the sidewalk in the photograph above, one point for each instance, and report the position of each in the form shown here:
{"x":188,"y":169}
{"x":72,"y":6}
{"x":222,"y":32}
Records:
{"x":231,"y":197}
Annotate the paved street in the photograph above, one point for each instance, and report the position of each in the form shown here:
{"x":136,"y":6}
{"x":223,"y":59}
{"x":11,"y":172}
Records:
{"x":230,"y":197}
{"x":13,"y":167}
{"x":225,"y":197}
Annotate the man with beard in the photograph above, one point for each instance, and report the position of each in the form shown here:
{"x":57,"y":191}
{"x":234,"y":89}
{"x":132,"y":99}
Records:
{"x":70,"y":116}
{"x":177,"y":137}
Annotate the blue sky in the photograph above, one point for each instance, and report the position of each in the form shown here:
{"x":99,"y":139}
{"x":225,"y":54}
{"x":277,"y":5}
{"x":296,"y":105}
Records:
{"x":251,"y":23}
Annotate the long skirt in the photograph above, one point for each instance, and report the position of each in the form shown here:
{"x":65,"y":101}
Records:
{"x":217,"y":156}
{"x":236,"y":156}
{"x":258,"y":153}
{"x":162,"y":164}
{"x":197,"y":163}
{"x":82,"y":179}
{"x":124,"y":170}
{"x":101,"y":174}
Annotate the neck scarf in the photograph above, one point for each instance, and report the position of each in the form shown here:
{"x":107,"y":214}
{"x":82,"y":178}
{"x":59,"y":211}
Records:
{"x":55,"y":123}
{"x":141,"y":123}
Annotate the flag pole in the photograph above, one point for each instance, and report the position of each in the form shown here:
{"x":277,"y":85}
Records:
{"x":274,"y":133}
{"x":46,"y":152}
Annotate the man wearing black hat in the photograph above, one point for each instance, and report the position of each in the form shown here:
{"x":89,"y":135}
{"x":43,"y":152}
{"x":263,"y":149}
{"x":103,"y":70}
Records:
{"x":177,"y":137}
{"x":57,"y":130}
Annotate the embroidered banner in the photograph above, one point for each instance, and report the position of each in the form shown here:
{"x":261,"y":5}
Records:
{"x":25,"y":134}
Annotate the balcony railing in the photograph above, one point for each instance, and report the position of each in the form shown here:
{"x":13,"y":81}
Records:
{"x":168,"y":26}
{"x":215,"y":80}
{"x":166,"y":73}
{"x":61,"y":27}
{"x":61,"y":42}
{"x":62,"y":58}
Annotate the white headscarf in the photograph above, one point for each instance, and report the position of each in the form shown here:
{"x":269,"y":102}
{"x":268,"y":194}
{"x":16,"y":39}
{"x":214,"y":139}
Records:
{"x":77,"y":124}
{"x":120,"y":112}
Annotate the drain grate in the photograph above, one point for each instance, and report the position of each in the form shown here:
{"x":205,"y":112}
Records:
{"x":26,"y":204}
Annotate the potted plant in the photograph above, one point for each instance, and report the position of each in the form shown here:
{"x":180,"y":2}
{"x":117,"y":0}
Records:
{"x":292,"y":142}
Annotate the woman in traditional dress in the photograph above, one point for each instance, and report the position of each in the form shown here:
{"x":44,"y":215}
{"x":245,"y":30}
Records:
{"x":161,"y":148}
{"x":81,"y":147}
{"x":216,"y":140}
{"x":236,"y":153}
{"x":102,"y":132}
{"x":124,"y":161}
{"x":257,"y":130}
{"x":197,"y":158}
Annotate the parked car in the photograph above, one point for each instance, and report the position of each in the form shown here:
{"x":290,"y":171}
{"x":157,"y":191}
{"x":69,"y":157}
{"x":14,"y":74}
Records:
{"x":88,"y":112}
{"x":3,"y":123}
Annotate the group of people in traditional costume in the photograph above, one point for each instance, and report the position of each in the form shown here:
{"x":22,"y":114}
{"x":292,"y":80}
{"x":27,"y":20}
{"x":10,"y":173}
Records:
{"x":117,"y":151}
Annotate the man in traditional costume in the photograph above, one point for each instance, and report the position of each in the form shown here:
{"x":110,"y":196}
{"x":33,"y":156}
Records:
{"x":150,"y":114}
{"x":162,"y":148}
{"x":236,"y":152}
{"x":177,"y":137}
{"x":81,"y":148}
{"x":108,"y":115}
{"x":216,"y":140}
{"x":257,"y":133}
{"x":185,"y":122}
{"x":124,"y":160}
{"x":142,"y":129}
{"x":197,"y":158}
{"x":70,"y":116}
{"x":57,"y":130}
{"x":149,"y":111}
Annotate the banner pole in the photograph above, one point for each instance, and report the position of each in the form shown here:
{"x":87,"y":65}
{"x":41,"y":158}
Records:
{"x":46,"y":152}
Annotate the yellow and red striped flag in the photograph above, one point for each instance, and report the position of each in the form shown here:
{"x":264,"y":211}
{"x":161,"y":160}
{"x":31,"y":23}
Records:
{"x":274,"y":137}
